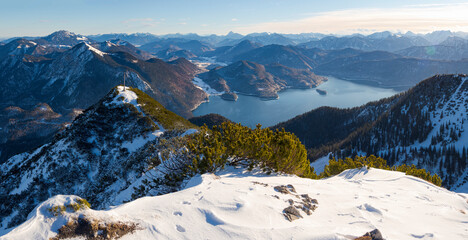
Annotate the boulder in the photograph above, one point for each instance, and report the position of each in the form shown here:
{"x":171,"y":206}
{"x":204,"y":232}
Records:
{"x":291,"y":213}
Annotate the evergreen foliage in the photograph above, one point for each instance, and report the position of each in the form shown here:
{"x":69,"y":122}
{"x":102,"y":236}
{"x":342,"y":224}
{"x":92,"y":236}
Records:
{"x":272,"y":151}
{"x":159,"y":113}
{"x":335,"y":167}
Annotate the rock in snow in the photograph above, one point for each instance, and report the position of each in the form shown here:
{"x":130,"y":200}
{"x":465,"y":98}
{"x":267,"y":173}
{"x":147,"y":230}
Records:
{"x":238,"y":204}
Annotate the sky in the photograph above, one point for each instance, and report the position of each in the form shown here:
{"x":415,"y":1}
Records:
{"x":87,"y":17}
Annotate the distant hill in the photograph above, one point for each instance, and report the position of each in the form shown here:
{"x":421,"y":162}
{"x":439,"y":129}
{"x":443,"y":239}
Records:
{"x":260,"y":38}
{"x":367,"y":43}
{"x":453,"y":48}
{"x":228,"y":53}
{"x":194,"y":46}
{"x":255,"y":79}
{"x":210,"y":120}
{"x":134,"y":38}
{"x":277,"y":54}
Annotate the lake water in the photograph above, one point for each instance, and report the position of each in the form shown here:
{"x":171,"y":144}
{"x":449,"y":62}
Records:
{"x":249,"y":110}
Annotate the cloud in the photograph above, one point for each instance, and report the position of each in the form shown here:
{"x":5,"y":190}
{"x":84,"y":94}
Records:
{"x":182,"y":23}
{"x":416,"y":18}
{"x":142,"y":22}
{"x":234,"y":19}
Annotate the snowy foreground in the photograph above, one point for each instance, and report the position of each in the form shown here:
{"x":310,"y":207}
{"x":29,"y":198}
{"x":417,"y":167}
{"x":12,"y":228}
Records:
{"x":242,"y":205}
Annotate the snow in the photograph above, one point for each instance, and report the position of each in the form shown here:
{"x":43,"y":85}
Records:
{"x":458,"y":117}
{"x":204,"y":62}
{"x":319,"y":164}
{"x":139,"y":142}
{"x":236,"y":204}
{"x":126,"y":96}
{"x":100,"y":53}
{"x":199,"y":83}
{"x":24,"y":184}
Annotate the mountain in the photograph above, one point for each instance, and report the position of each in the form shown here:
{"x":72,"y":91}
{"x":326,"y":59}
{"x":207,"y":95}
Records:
{"x":174,"y":53}
{"x":99,"y":156}
{"x":21,"y":47}
{"x":453,"y":48}
{"x":289,"y":56}
{"x":76,"y":78}
{"x":114,"y":46}
{"x":22,"y":129}
{"x":385,"y":69}
{"x":83,"y":74}
{"x":438,"y":37}
{"x":211,"y":39}
{"x":235,"y":204}
{"x":63,"y":38}
{"x":424,"y":126}
{"x":255,"y":79}
{"x":367,"y":43}
{"x":194,"y":46}
{"x":304,"y":37}
{"x":134,"y":38}
{"x":260,"y":38}
{"x":227,"y":53}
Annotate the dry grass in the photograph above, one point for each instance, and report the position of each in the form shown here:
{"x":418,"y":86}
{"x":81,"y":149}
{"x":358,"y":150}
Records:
{"x":92,"y":229}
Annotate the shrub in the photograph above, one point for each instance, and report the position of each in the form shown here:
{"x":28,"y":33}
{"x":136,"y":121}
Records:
{"x":335,"y":167}
{"x":73,"y":207}
{"x":272,"y":151}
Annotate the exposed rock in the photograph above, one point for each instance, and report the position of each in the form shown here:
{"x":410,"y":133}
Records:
{"x":282,"y":189}
{"x":307,"y":199}
{"x":291,"y":188}
{"x":291,"y":213}
{"x":372,"y":235}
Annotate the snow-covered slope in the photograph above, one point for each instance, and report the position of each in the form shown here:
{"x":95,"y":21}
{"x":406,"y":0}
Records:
{"x":236,"y":204}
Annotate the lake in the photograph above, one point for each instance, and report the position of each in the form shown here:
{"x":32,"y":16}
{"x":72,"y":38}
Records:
{"x":249,"y":110}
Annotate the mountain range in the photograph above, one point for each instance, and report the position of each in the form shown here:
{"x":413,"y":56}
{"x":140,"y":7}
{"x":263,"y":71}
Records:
{"x":72,"y":78}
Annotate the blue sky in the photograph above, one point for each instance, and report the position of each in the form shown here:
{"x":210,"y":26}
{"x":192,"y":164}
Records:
{"x":41,"y":17}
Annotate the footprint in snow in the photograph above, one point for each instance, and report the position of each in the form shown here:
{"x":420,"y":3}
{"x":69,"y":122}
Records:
{"x":177,"y":214}
{"x":180,"y":228}
{"x":370,"y":208}
{"x":186,"y":202}
{"x":423,"y":236}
